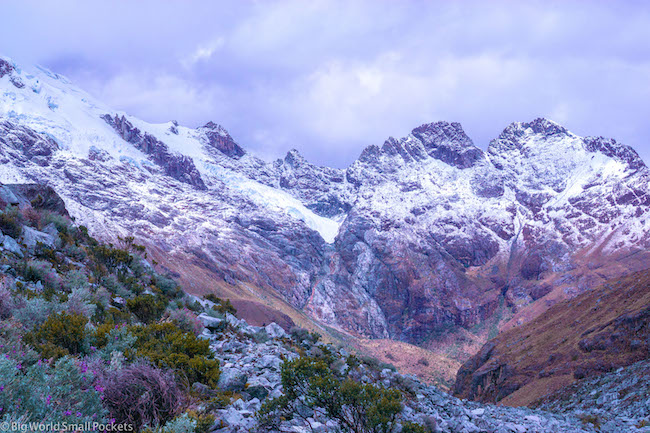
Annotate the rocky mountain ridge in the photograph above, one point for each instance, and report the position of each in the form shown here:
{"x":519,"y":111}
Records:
{"x":420,"y":234}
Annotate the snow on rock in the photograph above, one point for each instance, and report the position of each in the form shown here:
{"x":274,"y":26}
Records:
{"x":421,"y":232}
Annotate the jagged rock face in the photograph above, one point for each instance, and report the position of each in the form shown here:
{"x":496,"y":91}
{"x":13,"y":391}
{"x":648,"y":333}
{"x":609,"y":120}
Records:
{"x":423,"y":232}
{"x":323,"y":189}
{"x":25,"y":145}
{"x":218,"y":138}
{"x":178,"y":166}
{"x":37,"y":196}
{"x":8,"y":69}
{"x":448,"y":143}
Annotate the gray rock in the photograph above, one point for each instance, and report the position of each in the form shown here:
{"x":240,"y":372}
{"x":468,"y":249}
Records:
{"x":257,"y":392}
{"x":232,"y":379}
{"x":212,"y":323}
{"x":8,"y":196}
{"x":31,"y":237}
{"x":11,"y":245}
{"x":272,"y":362}
{"x":274,"y":330}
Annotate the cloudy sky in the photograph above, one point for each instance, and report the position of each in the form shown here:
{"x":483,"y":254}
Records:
{"x":331,"y":77}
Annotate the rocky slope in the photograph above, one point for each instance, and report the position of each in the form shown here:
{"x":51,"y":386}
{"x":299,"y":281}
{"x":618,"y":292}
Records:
{"x":52,"y":272}
{"x":596,"y":332}
{"x":253,"y":370}
{"x":616,"y":401}
{"x":420,"y":235}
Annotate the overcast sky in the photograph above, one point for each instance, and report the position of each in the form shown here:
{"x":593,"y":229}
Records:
{"x":330,"y":77}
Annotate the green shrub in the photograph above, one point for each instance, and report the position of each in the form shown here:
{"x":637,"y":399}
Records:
{"x":115,"y":286}
{"x":309,"y":383}
{"x":203,"y":421}
{"x":166,"y":345}
{"x":147,"y":308}
{"x":80,"y":302}
{"x":411,"y":427}
{"x":112,"y":258}
{"x":167,"y":286}
{"x":33,"y":312}
{"x":61,"y":223}
{"x":302,"y":335}
{"x":110,"y":338}
{"x":182,"y":424}
{"x":222,"y":306}
{"x":11,"y":222}
{"x":60,"y":335}
{"x":128,"y":243}
{"x":186,"y":320}
{"x":39,"y":270}
{"x":75,"y":279}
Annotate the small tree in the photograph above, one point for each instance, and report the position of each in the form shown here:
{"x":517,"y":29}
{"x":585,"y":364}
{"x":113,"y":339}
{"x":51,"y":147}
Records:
{"x":310,"y":384}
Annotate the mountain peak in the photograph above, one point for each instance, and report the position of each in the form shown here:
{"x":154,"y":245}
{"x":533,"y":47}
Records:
{"x":449,"y":143}
{"x":613,"y":149}
{"x":294,"y":159}
{"x":540,"y":126}
{"x":437,"y":131}
{"x":218,"y":137}
{"x":546,"y":132}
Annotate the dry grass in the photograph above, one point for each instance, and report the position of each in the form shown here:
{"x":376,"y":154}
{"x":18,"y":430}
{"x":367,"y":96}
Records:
{"x":431,"y":367}
{"x":545,"y":354}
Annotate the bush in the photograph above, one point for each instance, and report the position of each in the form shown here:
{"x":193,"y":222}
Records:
{"x":411,"y":427}
{"x":76,"y":279}
{"x":114,"y":286}
{"x":67,"y":392}
{"x":310,"y":384}
{"x":186,"y":320}
{"x":222,"y":306}
{"x":39,"y":270}
{"x":147,"y":308}
{"x":167,"y":286}
{"x":166,"y":345}
{"x":7,"y":304}
{"x":31,"y":216}
{"x":11,"y":222}
{"x":203,"y":421}
{"x":80,"y":302}
{"x":60,"y":335}
{"x":142,"y":395}
{"x":61,"y":223}
{"x":301,"y":334}
{"x":33,"y":312}
{"x":109,"y":339}
{"x":182,"y":424}
{"x":112,"y":258}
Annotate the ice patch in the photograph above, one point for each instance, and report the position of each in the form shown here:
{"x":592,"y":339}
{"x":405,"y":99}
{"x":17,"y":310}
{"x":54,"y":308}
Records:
{"x":276,"y":199}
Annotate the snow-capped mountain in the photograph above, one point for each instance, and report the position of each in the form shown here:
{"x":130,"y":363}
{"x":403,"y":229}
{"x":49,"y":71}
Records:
{"x":421,"y":232}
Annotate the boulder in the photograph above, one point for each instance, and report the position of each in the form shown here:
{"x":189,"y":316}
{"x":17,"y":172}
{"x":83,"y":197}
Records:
{"x":32,"y":237}
{"x":273,"y":330}
{"x":232,"y":379}
{"x":11,"y":245}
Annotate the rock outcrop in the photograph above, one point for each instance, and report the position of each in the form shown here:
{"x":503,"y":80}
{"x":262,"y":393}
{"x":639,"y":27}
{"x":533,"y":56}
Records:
{"x":178,"y":166}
